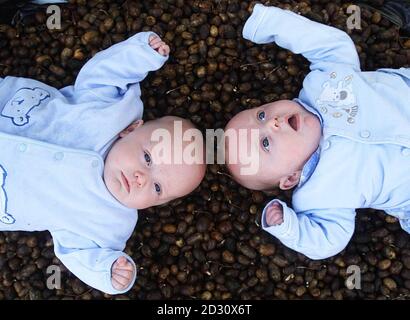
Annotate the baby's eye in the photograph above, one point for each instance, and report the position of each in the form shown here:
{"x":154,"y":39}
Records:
{"x":147,"y":158}
{"x":265,"y":144}
{"x":261,"y":115}
{"x":157,"y":188}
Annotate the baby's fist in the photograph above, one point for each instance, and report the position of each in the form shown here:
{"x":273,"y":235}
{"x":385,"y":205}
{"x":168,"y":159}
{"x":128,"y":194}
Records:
{"x":122,"y":273}
{"x":274,"y":214}
{"x":158,"y":45}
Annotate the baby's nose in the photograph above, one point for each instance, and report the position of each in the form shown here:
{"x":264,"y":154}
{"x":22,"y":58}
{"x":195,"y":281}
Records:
{"x":140,"y":179}
{"x":274,"y":123}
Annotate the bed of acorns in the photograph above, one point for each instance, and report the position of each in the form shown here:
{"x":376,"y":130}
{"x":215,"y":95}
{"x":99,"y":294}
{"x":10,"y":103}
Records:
{"x":208,"y":245}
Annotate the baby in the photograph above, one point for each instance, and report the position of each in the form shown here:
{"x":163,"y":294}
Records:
{"x":344,"y":143}
{"x":79,"y":161}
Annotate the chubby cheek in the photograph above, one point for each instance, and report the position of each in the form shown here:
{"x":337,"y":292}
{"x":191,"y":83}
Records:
{"x":309,"y":120}
{"x":121,"y":155}
{"x":289,"y":153}
{"x":141,"y":200}
{"x":267,"y":164}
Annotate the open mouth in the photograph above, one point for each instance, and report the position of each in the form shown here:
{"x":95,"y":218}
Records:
{"x":125,"y":182}
{"x":294,"y":122}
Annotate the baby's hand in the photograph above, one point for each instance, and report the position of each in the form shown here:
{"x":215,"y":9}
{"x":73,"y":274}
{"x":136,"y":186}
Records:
{"x":157,"y":44}
{"x":122,"y":273}
{"x":274,"y":214}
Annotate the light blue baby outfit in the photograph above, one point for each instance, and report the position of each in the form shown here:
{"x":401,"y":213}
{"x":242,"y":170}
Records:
{"x":363,"y":160}
{"x":53,"y":144}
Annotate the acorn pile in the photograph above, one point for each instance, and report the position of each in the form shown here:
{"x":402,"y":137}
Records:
{"x":208,"y":245}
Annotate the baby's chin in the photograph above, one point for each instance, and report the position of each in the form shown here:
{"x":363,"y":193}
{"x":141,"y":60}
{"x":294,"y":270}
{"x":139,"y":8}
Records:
{"x":255,"y":182}
{"x":113,"y":185}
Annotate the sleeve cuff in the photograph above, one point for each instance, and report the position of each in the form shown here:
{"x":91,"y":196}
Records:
{"x":282,"y":229}
{"x":253,"y":22}
{"x":143,"y":38}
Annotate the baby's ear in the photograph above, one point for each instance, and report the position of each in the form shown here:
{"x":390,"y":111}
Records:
{"x":290,"y":181}
{"x":131,"y":128}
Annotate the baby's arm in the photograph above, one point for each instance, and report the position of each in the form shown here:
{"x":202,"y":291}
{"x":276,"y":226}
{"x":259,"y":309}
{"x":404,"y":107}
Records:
{"x":108,"y":270}
{"x":319,"y":43}
{"x":123,"y":64}
{"x":318,"y":234}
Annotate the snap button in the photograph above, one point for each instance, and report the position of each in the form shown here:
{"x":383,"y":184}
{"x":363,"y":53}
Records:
{"x":58,"y":156}
{"x":405,"y":152}
{"x":95,"y":163}
{"x":22,"y":147}
{"x":365,"y":134}
{"x":326,"y":145}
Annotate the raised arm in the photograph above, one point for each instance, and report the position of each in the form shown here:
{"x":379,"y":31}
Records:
{"x":318,"y":234}
{"x":121,"y":65}
{"x":101,"y":268}
{"x":319,"y":43}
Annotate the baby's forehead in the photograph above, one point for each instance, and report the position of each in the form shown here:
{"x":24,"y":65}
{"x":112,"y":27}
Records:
{"x":243,"y":120}
{"x":160,"y":123}
{"x":171,"y":124}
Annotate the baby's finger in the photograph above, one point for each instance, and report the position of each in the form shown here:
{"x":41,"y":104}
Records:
{"x":273,"y":219}
{"x":162,"y":51}
{"x":165,"y":50}
{"x":275,"y":205}
{"x":153,"y":38}
{"x":127,"y":267}
{"x":156,"y":41}
{"x":270,"y":219}
{"x":120,"y":279}
{"x":116,"y":284}
{"x":277,"y":220}
{"x":272,"y":210}
{"x":123,"y":273}
{"x":155,"y":46}
{"x":121,"y":261}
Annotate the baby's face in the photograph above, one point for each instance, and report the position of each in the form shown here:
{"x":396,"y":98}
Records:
{"x":288,"y":135}
{"x":134,"y":175}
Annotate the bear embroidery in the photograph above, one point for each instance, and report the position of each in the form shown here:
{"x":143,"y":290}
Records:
{"x":23,"y":101}
{"x":4,"y":216}
{"x":339,"y":100}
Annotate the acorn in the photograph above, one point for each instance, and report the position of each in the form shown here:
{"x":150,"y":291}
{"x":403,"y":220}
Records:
{"x":66,"y":54}
{"x":91,"y":38}
{"x":169,"y":228}
{"x":79,"y":54}
{"x":58,"y":71}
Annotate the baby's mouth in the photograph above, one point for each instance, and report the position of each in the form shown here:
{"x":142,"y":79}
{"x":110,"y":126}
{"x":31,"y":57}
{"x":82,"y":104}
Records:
{"x":125,"y":182}
{"x":294,"y":122}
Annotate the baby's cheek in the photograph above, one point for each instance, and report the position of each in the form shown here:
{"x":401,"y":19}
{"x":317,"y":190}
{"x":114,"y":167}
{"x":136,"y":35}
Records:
{"x":309,"y":120}
{"x":141,"y":200}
